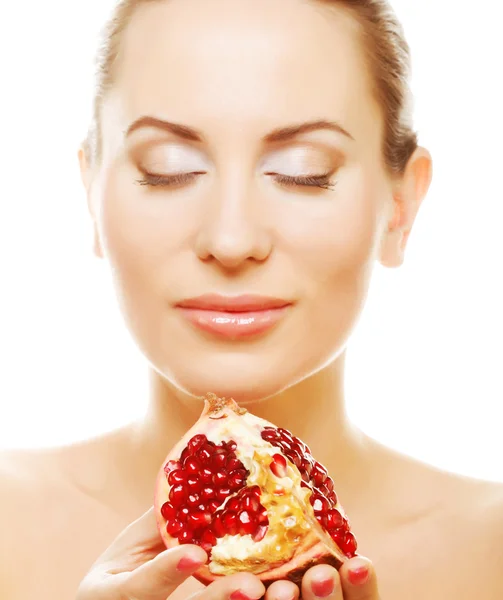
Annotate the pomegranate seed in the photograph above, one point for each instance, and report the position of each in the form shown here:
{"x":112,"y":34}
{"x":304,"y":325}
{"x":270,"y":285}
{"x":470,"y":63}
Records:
{"x":278,"y":465}
{"x":174,"y":527}
{"x":260,"y":533}
{"x":254,"y":490}
{"x":233,"y":463}
{"x":204,"y":456}
{"x":329,"y":485}
{"x":333,"y":498}
{"x":345,"y":524}
{"x":262,"y":517}
{"x":319,"y":474}
{"x":214,"y":505}
{"x":237,"y":479}
{"x":183,"y":514}
{"x":176,"y":477}
{"x":349,"y":545}
{"x":194,"y":484}
{"x":270,"y":435}
{"x":223,"y":493}
{"x":246,"y":524}
{"x":193,"y":500}
{"x":198,"y":520}
{"x":186,"y":536}
{"x":285,"y":434}
{"x":287,"y":447}
{"x":171,"y":465}
{"x":334,"y":519}
{"x":209,"y":537}
{"x":192,"y":465}
{"x":177,"y":495}
{"x":251,"y":503}
{"x":219,"y":459}
{"x":206,"y":475}
{"x":320,"y":503}
{"x":196,"y":442}
{"x":338,"y":535}
{"x":218,"y":526}
{"x":231,"y":445}
{"x":233,"y":504}
{"x":168,"y":511}
{"x":184,"y":455}
{"x":320,"y":517}
{"x":207,"y":493}
{"x":230,"y":522}
{"x":304,"y":485}
{"x":220,"y":478}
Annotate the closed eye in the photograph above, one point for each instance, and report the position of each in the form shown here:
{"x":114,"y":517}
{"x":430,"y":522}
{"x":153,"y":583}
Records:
{"x":320,"y":181}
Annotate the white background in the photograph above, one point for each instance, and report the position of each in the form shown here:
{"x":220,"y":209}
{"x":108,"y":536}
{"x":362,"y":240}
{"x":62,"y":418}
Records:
{"x":424,"y":366}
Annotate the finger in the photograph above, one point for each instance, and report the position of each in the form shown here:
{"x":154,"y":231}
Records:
{"x":282,"y":590}
{"x":137,"y":544}
{"x":142,"y":532}
{"x":158,"y":578}
{"x":241,"y":586}
{"x":359,"y":581}
{"x":321,"y":581}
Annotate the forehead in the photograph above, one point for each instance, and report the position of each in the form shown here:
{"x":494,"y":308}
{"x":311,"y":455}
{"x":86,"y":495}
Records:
{"x":243,"y":65}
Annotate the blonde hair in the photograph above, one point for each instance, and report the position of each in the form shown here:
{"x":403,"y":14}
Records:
{"x":386,"y":52}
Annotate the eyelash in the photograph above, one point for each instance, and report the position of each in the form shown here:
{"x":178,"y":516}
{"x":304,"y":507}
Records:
{"x":321,"y":181}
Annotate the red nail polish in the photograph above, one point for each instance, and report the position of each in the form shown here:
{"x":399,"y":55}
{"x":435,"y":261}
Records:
{"x":188,"y":564}
{"x":358,"y":576}
{"x":239,"y":595}
{"x":322,"y":589}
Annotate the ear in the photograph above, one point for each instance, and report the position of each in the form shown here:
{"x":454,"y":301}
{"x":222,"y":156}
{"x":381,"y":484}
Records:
{"x":86,"y":176}
{"x":408,"y":194}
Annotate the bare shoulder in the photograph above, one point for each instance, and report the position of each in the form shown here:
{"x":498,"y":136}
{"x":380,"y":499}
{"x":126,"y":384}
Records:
{"x":470,"y":520}
{"x":50,"y":498}
{"x":446,"y":532}
{"x":19,"y":493}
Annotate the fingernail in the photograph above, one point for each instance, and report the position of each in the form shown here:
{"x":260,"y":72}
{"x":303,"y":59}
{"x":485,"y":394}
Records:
{"x":188,"y":564}
{"x":324,"y":588}
{"x":359,"y":575}
{"x":239,"y":595}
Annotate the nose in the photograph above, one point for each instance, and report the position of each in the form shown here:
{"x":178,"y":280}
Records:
{"x":233,"y":231}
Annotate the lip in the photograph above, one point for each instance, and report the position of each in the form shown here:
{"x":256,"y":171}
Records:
{"x":234,"y":317}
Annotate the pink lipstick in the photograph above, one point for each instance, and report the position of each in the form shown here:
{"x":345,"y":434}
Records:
{"x":234,"y":317}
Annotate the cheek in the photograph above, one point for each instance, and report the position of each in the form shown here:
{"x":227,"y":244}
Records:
{"x":141,"y":233}
{"x":333,"y":254}
{"x":334,"y":239}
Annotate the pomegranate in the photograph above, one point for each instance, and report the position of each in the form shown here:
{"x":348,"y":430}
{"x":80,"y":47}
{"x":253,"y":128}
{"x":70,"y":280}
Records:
{"x":252,"y":496}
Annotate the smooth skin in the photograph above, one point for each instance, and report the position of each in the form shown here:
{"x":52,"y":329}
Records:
{"x":236,"y":71}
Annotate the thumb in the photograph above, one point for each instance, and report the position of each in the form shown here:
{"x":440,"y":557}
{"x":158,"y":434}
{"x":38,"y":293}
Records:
{"x":137,"y":565}
{"x":140,"y":539}
{"x":159,"y":578}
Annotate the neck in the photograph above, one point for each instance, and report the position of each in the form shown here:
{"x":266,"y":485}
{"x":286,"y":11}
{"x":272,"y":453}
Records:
{"x":313,"y":410}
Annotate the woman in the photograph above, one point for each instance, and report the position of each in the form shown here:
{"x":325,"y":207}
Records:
{"x":260,"y":151}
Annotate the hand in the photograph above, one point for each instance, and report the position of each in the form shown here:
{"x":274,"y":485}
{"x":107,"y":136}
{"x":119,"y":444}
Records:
{"x":356,"y":580}
{"x":137,"y":566}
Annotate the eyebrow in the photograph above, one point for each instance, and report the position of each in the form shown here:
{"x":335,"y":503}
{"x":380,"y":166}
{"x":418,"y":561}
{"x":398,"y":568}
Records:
{"x":277,"y":135}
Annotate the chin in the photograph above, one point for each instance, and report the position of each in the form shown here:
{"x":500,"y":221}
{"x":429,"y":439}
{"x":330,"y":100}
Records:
{"x":237,"y":387}
{"x":246,"y":379}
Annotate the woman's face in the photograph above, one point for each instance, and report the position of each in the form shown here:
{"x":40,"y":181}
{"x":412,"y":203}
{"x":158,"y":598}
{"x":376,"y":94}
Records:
{"x":236,"y":72}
